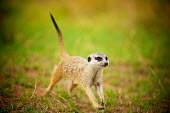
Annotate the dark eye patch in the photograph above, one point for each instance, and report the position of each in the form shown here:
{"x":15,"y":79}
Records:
{"x":106,"y":58}
{"x":99,"y":58}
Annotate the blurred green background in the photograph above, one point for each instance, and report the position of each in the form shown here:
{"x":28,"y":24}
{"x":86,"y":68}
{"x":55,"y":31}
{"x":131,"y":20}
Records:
{"x":133,"y":33}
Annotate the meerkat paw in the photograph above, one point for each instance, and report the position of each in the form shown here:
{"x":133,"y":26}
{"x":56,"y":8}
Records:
{"x":101,"y":107}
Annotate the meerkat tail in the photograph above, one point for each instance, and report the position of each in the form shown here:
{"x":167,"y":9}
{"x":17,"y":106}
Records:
{"x":63,"y":52}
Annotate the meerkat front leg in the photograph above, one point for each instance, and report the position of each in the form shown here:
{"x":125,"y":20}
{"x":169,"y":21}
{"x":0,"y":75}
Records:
{"x":99,"y":90}
{"x":93,"y":98}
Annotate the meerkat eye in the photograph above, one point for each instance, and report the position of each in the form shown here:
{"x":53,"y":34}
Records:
{"x":99,"y":58}
{"x":89,"y":59}
{"x":106,"y":58}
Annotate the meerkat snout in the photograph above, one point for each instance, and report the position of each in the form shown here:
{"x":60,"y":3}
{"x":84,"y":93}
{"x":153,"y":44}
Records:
{"x":106,"y":64}
{"x":98,"y":59}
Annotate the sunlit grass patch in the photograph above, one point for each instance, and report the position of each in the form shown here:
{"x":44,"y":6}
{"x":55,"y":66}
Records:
{"x":111,"y":97}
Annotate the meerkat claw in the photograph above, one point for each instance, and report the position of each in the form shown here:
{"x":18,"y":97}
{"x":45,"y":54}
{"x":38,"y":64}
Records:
{"x":102,"y":108}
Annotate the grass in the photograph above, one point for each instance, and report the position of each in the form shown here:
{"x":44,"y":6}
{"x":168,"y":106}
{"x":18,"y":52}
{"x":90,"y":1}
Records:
{"x":137,"y":79}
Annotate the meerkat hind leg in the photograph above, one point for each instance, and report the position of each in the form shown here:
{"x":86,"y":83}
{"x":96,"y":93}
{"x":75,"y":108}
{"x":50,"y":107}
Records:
{"x":71,"y":87}
{"x":54,"y":79}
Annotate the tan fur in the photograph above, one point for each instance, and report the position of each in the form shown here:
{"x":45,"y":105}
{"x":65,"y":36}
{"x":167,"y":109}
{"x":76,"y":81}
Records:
{"x":79,"y":71}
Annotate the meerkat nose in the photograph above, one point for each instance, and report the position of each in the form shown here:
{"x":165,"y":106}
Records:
{"x":106,"y":64}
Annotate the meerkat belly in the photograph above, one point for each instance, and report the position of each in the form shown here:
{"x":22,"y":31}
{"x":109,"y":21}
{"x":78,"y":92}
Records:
{"x":73,"y":67}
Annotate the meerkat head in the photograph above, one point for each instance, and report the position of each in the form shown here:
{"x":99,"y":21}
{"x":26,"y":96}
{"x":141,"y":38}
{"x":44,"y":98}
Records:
{"x":99,"y":60}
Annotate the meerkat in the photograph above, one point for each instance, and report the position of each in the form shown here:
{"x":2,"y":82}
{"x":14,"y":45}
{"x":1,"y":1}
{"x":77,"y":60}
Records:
{"x":86,"y":72}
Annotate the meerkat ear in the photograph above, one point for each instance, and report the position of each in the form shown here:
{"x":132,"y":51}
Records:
{"x":89,"y":59}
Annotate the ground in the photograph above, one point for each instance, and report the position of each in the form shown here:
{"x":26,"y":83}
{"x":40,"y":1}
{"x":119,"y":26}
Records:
{"x":127,"y":88}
